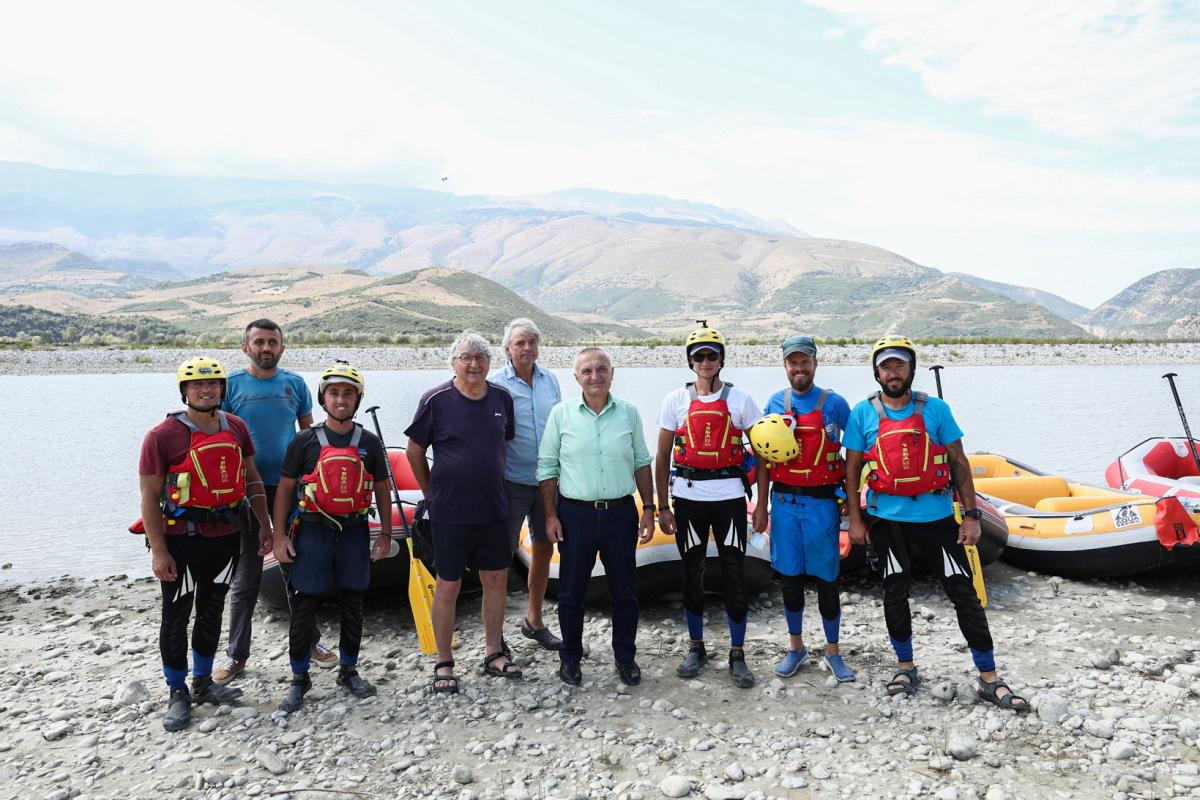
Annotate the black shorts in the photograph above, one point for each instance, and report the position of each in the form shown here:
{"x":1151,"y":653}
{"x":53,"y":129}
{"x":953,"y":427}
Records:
{"x":456,"y":547}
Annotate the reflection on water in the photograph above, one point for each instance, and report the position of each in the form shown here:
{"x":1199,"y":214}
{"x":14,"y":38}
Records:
{"x":70,"y":475}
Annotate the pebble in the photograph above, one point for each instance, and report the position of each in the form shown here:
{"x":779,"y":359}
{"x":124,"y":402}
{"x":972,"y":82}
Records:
{"x":462,"y":774}
{"x":1051,"y":707}
{"x":1100,"y":728}
{"x":132,"y":693}
{"x":1121,"y":750}
{"x":961,"y":747}
{"x":675,"y":786}
{"x":269,"y":761}
{"x":55,"y":676}
{"x":718,"y":791}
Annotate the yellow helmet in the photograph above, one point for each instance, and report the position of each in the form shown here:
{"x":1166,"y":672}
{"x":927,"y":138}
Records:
{"x":201,"y":368}
{"x":705,"y":335}
{"x":894,"y":343}
{"x":341,"y":372}
{"x":773,"y":440}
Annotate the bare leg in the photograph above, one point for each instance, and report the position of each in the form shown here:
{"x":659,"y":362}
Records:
{"x":445,"y":597}
{"x":495,"y":582}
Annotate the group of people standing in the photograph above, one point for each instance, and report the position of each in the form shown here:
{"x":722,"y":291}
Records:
{"x":511,"y":449}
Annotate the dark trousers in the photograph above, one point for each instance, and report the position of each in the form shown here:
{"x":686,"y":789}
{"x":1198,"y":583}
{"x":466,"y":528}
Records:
{"x":204,"y":567}
{"x":611,"y":533}
{"x":243,"y":592}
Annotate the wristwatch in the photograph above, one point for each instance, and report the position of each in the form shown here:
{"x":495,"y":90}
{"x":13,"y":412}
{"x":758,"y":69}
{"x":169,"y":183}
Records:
{"x":974,"y":514}
{"x":649,"y":507}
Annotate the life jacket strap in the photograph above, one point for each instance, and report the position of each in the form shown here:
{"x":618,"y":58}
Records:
{"x":693,"y":395}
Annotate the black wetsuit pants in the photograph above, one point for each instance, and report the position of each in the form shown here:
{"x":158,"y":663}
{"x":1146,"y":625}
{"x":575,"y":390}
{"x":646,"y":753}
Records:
{"x":204,"y":568}
{"x":727,"y":521}
{"x":938,"y":544}
{"x":304,"y":615}
{"x":828,"y":598}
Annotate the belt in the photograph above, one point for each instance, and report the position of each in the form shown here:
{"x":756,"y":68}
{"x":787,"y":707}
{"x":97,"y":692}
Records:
{"x":826,"y":492}
{"x":599,"y":505}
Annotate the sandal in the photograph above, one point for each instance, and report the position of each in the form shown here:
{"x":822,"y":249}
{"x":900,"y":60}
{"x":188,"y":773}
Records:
{"x":905,"y":682}
{"x":449,"y":683}
{"x":509,"y":670}
{"x":543,"y":635}
{"x":1010,"y":700}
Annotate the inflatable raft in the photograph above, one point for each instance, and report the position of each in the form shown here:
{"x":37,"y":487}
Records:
{"x":1163,"y":466}
{"x":1079,"y":530}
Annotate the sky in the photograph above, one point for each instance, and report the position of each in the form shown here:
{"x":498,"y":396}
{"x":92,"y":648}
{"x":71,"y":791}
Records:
{"x":1042,"y":143}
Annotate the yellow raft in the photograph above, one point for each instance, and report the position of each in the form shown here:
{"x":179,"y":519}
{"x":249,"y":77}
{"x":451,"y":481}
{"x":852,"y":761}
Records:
{"x":1081,"y":530}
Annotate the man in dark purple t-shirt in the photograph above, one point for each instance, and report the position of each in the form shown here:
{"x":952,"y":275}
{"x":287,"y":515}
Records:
{"x":466,"y":421}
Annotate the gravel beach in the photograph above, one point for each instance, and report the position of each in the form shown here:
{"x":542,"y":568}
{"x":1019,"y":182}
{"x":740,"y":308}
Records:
{"x":1112,"y":670}
{"x":102,"y":361}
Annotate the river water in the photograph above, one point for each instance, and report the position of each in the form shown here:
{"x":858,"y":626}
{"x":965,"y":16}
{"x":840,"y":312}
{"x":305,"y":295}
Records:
{"x":70,"y":477}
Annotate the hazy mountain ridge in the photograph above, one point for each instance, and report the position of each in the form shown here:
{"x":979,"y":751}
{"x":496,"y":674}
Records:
{"x":1158,"y":306}
{"x":315,"y":303}
{"x":653,"y":263}
{"x":1058,"y":306}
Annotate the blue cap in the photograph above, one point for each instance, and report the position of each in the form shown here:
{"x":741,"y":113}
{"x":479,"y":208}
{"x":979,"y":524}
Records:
{"x":799,"y":344}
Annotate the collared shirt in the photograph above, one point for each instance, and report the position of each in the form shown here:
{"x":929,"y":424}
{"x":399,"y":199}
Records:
{"x":593,"y":455}
{"x":531,"y":409}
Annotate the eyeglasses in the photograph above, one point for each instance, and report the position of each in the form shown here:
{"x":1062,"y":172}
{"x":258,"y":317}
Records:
{"x":473,"y":359}
{"x":706,"y":355}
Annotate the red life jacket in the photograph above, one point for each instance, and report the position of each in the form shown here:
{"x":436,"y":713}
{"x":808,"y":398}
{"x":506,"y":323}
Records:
{"x":211,"y":477}
{"x":820,"y":462}
{"x":339,"y":484}
{"x":708,"y":445}
{"x":904,"y":460}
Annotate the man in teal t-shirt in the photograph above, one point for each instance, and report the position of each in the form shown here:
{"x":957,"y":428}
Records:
{"x":273,"y":402}
{"x":913,"y":451}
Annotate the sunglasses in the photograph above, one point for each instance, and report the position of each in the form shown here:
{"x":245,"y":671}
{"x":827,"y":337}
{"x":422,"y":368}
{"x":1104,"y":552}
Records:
{"x":706,"y":355}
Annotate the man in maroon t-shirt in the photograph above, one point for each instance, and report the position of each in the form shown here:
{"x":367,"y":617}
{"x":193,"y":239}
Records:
{"x":466,"y":421}
{"x":191,"y":490}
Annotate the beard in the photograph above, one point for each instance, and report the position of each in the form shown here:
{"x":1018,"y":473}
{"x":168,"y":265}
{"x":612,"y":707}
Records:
{"x":263,"y":360}
{"x":903,"y":390}
{"x":801,"y":385}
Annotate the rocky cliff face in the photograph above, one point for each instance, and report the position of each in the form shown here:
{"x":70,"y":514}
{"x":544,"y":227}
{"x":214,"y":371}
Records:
{"x":1163,"y":305}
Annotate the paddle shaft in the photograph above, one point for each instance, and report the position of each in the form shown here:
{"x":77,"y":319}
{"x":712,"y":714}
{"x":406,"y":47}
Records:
{"x":1170,"y":376}
{"x":391,"y":478}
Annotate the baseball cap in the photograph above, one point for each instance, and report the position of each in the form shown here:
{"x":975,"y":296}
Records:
{"x":799,"y":344}
{"x":892,"y":352}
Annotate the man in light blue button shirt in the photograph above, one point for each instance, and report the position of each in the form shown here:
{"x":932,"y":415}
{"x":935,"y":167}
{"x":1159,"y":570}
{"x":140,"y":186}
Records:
{"x":592,"y":458}
{"x":534,"y":392}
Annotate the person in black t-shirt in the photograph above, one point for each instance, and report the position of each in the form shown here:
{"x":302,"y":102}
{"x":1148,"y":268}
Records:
{"x":332,"y":470}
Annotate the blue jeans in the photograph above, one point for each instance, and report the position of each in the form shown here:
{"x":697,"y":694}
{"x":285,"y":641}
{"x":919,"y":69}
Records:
{"x":611,"y":533}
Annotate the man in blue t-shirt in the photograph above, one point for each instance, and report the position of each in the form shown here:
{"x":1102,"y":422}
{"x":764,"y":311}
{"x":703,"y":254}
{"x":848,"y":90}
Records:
{"x":805,"y":513}
{"x":913,"y":450}
{"x":273,"y":402}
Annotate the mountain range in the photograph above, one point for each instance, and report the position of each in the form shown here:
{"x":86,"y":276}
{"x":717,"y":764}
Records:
{"x":604,"y":261}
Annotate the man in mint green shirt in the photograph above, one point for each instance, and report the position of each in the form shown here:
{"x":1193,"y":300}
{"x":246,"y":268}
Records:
{"x":592,"y":458}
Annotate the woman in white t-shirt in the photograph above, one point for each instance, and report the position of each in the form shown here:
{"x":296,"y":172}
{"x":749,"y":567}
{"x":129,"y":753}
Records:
{"x":701,"y":437}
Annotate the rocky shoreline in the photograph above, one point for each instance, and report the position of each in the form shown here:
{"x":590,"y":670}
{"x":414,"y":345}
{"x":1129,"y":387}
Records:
{"x":114,"y":360}
{"x":1112,"y":669}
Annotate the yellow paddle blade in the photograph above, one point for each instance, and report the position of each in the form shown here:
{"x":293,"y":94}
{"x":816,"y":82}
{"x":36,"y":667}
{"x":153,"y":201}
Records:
{"x":976,"y":573}
{"x":420,"y":598}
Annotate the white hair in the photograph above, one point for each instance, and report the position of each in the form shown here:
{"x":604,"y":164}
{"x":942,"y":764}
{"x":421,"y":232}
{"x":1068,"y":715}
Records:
{"x":519,"y":324}
{"x":469,"y":342}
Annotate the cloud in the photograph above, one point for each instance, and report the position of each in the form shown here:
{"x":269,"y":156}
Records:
{"x":1096,"y":70}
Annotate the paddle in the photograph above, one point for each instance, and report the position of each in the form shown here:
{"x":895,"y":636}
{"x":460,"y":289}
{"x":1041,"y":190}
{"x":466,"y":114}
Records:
{"x":971,"y":550}
{"x":420,"y":582}
{"x":1170,"y":376}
